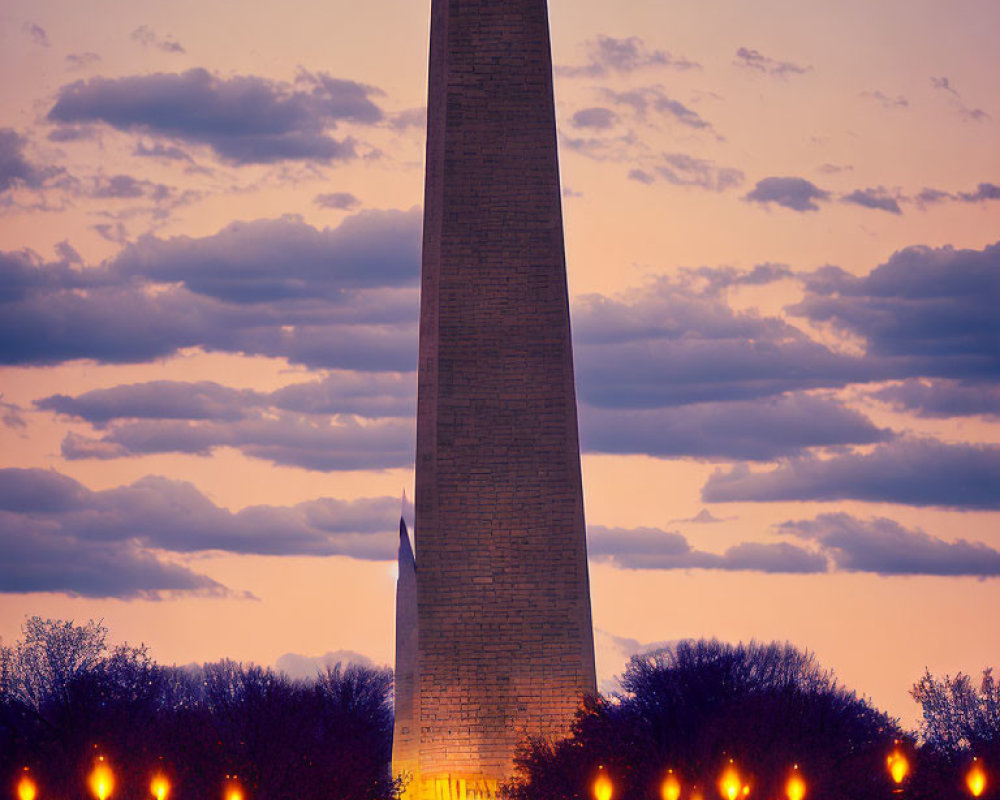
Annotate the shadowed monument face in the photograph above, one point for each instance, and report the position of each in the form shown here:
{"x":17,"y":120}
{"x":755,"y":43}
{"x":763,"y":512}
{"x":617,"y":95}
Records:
{"x":494,"y":636}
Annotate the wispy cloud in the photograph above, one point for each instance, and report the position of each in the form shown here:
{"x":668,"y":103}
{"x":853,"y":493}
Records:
{"x":966,"y":112}
{"x":606,"y":54}
{"x":652,"y":548}
{"x":757,"y":61}
{"x":145,"y":36}
{"x":36,"y":33}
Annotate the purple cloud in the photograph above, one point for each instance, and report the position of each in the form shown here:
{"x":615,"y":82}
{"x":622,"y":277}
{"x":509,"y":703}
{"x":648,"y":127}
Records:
{"x":606,"y":54}
{"x":935,"y":307}
{"x":652,"y":548}
{"x":965,"y":112}
{"x":324,"y":445}
{"x":309,"y":425}
{"x":681,"y":169}
{"x":755,"y":60}
{"x":36,"y":33}
{"x":15,"y":169}
{"x":653,"y":99}
{"x":887,"y":102}
{"x":942,"y":398}
{"x":597,"y":118}
{"x":244,"y":119}
{"x":145,"y":36}
{"x":878,"y":198}
{"x":58,"y":536}
{"x":759,"y":430}
{"x":79,"y":61}
{"x":917,"y":472}
{"x":342,"y":201}
{"x":676,"y":342}
{"x":797,"y":194}
{"x":344,"y":297}
{"x":885,"y":547}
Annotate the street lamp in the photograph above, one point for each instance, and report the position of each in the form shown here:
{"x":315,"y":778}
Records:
{"x":159,"y":787}
{"x":899,"y":768}
{"x":26,"y":789}
{"x":730,"y":784}
{"x":795,"y":788}
{"x":232,"y":790}
{"x":102,"y":780}
{"x":671,"y":788}
{"x":975,"y":778}
{"x":603,"y":790}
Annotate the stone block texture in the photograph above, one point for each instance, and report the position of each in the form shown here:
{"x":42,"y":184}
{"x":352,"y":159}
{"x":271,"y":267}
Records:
{"x":505,"y":645}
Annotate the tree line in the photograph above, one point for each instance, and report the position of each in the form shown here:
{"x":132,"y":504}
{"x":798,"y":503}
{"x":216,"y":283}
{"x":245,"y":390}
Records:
{"x":696,"y":709}
{"x":67,"y":698}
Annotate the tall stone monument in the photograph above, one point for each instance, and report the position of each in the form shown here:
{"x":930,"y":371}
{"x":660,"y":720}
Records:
{"x":503,"y":645}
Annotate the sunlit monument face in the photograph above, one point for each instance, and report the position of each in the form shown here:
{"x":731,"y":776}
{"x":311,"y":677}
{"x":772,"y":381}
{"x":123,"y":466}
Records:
{"x":500,"y":644}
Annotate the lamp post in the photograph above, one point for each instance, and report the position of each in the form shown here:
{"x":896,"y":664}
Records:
{"x":603,"y":788}
{"x":159,"y":787}
{"x":730,"y":784}
{"x":899,"y":768}
{"x":671,"y":788}
{"x":232,"y":789}
{"x":26,"y":788}
{"x":795,"y":787}
{"x":975,"y":778}
{"x":102,"y":779}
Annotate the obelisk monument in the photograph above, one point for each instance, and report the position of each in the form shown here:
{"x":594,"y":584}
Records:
{"x":503,"y":645}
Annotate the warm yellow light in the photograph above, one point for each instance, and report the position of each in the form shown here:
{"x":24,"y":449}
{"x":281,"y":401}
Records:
{"x":796,"y":786}
{"x":730,"y":784}
{"x":671,"y":789}
{"x":159,"y":787}
{"x":975,"y":779}
{"x":603,"y":788}
{"x":102,"y":780}
{"x":26,"y":789}
{"x":233,"y":790}
{"x":898,"y":766}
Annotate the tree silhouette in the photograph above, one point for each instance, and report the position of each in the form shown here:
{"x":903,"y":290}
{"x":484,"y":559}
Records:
{"x":65,"y":697}
{"x":694,"y":707}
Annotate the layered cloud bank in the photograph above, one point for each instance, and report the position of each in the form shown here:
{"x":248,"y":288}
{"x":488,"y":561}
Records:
{"x":672,"y":369}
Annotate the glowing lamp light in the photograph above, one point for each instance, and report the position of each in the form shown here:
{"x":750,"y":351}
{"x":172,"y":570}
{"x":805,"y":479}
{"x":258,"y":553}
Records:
{"x":898,"y":766}
{"x":603,"y":790}
{"x":730,"y":785}
{"x":102,"y":780}
{"x":26,"y":789}
{"x":233,"y":790}
{"x":795,"y":788}
{"x":159,"y":787}
{"x":671,"y":788}
{"x":975,"y":779}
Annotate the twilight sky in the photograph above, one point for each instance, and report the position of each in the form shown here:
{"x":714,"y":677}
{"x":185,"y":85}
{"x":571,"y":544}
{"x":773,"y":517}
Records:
{"x":783,"y":232}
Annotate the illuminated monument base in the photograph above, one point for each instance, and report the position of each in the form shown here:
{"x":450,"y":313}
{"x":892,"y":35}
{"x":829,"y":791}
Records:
{"x":494,"y":635}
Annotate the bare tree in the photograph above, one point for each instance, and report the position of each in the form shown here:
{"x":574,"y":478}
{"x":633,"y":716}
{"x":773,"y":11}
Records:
{"x":959,"y":716}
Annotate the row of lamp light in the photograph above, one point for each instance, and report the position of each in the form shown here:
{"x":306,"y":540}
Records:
{"x":732,"y":787}
{"x":101,"y":782}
